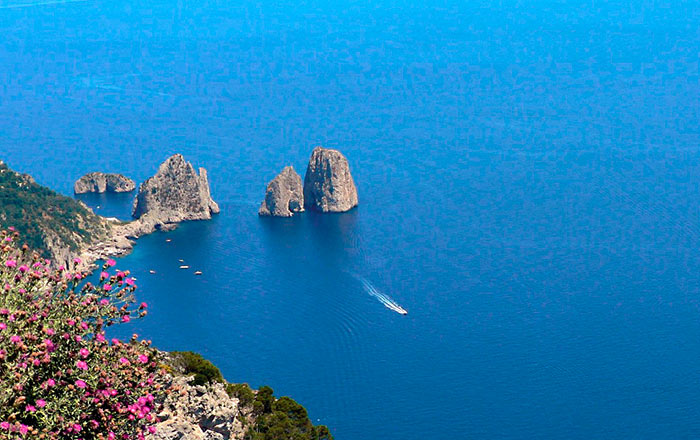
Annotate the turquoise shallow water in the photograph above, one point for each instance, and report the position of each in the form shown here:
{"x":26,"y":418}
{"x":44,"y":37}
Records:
{"x":528,"y":178}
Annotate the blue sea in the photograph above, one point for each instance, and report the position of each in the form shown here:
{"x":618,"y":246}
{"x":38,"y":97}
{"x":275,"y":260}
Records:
{"x":529,"y":184}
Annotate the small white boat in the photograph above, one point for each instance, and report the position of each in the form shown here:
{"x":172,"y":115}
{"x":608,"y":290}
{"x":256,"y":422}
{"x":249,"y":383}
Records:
{"x":199,"y":272}
{"x":151,"y":271}
{"x":168,"y":240}
{"x":184,"y":267}
{"x":181,"y":261}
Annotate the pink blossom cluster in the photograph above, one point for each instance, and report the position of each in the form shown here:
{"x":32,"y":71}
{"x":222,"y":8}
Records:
{"x":60,"y":378}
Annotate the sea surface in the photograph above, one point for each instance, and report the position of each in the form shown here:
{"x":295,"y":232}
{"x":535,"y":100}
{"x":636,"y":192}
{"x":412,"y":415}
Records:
{"x":529,"y":183}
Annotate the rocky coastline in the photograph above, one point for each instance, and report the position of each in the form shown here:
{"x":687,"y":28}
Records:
{"x":176,"y":193}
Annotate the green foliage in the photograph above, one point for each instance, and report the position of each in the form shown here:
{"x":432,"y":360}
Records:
{"x":282,"y":419}
{"x":242,"y":392}
{"x":190,"y":363}
{"x":37,"y":211}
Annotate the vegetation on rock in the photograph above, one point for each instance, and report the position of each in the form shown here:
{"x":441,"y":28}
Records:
{"x":49,"y":221}
{"x":189,"y":363}
{"x":282,"y":418}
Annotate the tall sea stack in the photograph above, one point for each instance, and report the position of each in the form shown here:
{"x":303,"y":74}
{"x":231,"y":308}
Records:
{"x":176,"y":193}
{"x":328,"y":184}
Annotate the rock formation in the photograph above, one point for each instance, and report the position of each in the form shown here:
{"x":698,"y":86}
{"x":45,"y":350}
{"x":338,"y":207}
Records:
{"x":284,"y":195}
{"x":102,"y":182}
{"x":200,"y":413}
{"x":328,"y":184}
{"x":176,"y":193}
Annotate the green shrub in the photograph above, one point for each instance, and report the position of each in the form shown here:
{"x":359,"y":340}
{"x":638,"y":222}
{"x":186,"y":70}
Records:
{"x":190,"y":363}
{"x":282,"y":418}
{"x":242,"y":392}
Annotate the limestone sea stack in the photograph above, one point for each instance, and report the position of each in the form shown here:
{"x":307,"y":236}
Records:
{"x":284,"y":195}
{"x":328,"y":184}
{"x":176,"y":193}
{"x":103,"y":182}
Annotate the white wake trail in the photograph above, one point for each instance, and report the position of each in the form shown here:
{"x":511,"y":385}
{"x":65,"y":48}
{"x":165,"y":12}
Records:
{"x":46,"y":3}
{"x":384,"y":299}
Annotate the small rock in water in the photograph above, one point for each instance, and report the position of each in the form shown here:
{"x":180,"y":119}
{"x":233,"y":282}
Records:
{"x":103,"y":182}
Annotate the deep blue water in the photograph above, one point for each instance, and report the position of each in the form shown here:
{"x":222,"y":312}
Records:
{"x":528,"y":176}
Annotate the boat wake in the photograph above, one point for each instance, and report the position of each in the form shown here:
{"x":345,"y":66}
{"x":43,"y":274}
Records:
{"x":384,"y":299}
{"x":43,"y":3}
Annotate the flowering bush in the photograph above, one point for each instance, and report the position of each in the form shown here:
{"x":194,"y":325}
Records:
{"x":59,"y":376}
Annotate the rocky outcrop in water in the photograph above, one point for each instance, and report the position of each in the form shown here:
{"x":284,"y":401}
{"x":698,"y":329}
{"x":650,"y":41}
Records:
{"x":176,"y":193}
{"x":195,"y":412}
{"x":103,"y":182}
{"x":284,"y":195}
{"x":328,"y":184}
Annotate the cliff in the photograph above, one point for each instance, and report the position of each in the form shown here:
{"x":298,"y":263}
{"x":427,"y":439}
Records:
{"x":56,"y":225}
{"x":284,"y":195}
{"x":103,"y":182}
{"x":175,"y":193}
{"x":328,"y":184}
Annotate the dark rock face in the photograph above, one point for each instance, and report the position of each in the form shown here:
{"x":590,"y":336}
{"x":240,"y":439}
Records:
{"x":102,"y":182}
{"x":176,"y":193}
{"x":328,"y":184}
{"x":284,"y":195}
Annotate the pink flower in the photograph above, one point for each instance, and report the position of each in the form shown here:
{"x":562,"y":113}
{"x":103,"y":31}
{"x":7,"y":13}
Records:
{"x":81,"y":365}
{"x":23,"y":429}
{"x":104,"y":275}
{"x":126,"y":318}
{"x":30,"y":408}
{"x":100,"y":337}
{"x":111,"y":262}
{"x":5,"y":425}
{"x":15,"y":339}
{"x":107,"y":287}
{"x":152,"y":429}
{"x":49,"y":331}
{"x":76,"y":427}
{"x":50,"y":383}
{"x":104,"y":302}
{"x":124,"y":361}
{"x":41,"y":403}
{"x":23,"y":268}
{"x":129,"y":281}
{"x":84,"y":352}
{"x":143,"y":359}
{"x":3,"y":326}
{"x":144,"y":305}
{"x":11,"y":263}
{"x":80,"y":384}
{"x":77,"y":260}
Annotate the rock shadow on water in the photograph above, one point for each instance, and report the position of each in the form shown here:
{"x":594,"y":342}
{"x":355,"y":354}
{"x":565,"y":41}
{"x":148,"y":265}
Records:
{"x":117,"y":205}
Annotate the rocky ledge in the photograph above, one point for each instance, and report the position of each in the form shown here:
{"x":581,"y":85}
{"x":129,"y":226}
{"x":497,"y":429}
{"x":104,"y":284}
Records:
{"x":328,"y":184}
{"x":176,"y":193}
{"x":284,"y":196}
{"x":196,"y":412}
{"x":103,"y":182}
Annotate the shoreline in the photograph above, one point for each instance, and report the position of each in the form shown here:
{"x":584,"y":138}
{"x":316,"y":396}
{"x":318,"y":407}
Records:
{"x":120,"y":240}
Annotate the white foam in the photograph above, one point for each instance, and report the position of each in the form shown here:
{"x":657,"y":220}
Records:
{"x":45,"y":3}
{"x":384,"y":299}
